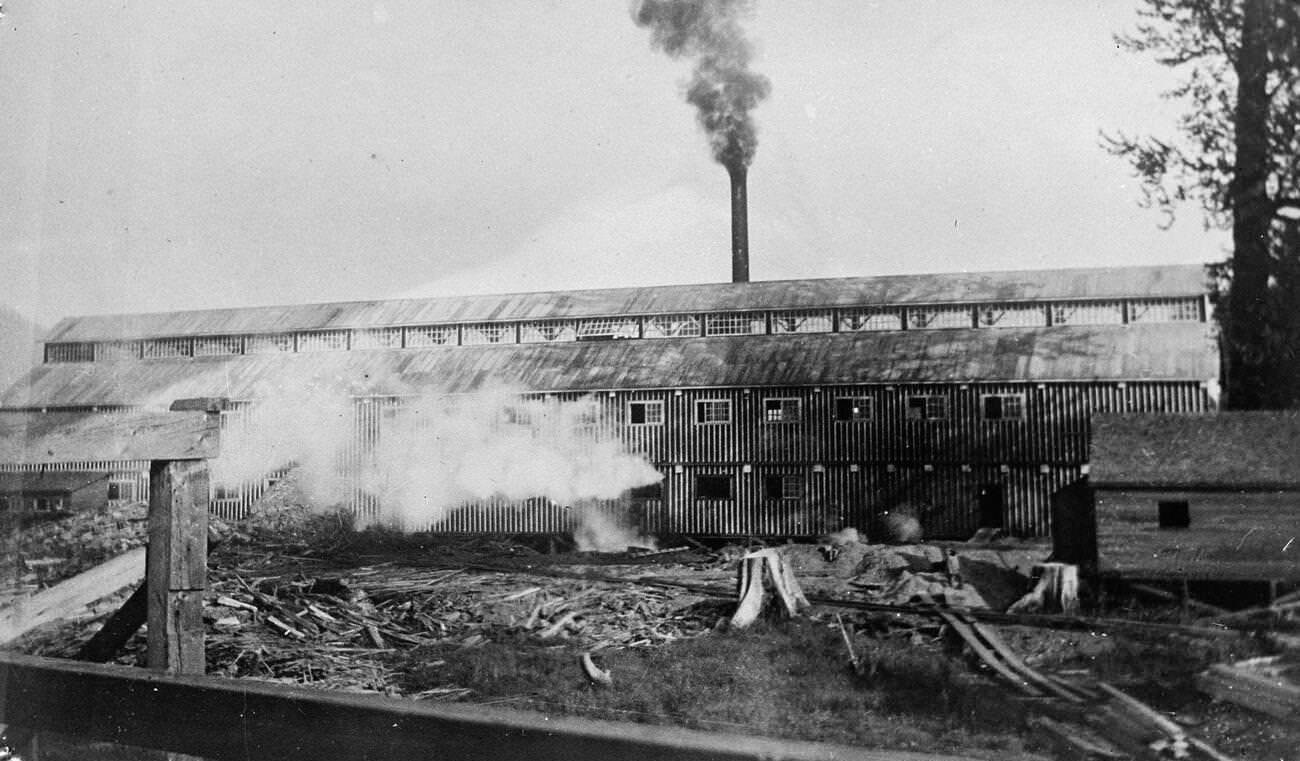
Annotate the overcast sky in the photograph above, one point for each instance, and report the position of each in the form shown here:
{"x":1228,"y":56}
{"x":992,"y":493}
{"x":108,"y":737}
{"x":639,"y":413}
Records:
{"x":174,"y":155}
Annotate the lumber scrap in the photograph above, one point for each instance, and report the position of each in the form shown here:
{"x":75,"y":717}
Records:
{"x":1142,"y":711}
{"x":595,"y":673}
{"x":71,"y":596}
{"x":1070,"y":741}
{"x":986,"y":653}
{"x":1252,"y":685}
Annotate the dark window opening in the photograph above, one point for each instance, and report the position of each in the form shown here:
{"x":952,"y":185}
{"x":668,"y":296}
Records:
{"x":853,"y":408}
{"x":646,"y":413}
{"x":649,"y":491}
{"x":1003,"y":407}
{"x":782,"y":487}
{"x":927,"y":407}
{"x":990,"y":506}
{"x":712,"y":487}
{"x":121,"y":490}
{"x":1174,"y":513}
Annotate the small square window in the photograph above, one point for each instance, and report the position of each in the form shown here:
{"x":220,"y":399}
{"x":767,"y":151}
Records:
{"x":927,"y":407}
{"x":1174,"y":513}
{"x":712,"y":486}
{"x":783,"y":486}
{"x":713,"y":411}
{"x":781,"y":410}
{"x":1003,"y":406}
{"x":854,"y":408}
{"x":645,"y":413}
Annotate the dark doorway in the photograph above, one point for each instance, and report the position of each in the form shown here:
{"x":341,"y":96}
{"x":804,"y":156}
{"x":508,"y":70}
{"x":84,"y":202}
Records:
{"x":990,"y":505}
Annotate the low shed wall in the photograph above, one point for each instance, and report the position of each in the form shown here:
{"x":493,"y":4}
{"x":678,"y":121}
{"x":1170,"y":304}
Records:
{"x":1226,"y":535}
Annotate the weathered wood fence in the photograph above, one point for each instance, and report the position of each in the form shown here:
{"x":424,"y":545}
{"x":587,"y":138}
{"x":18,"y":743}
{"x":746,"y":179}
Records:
{"x":248,"y":720}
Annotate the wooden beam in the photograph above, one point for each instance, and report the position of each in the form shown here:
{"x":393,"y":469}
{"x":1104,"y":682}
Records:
{"x":177,"y":567}
{"x":60,"y":436}
{"x":235,"y":719}
{"x":71,"y":596}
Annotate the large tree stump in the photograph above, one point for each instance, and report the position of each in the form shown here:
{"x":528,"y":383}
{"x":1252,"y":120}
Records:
{"x":759,"y":571}
{"x":1057,"y":590}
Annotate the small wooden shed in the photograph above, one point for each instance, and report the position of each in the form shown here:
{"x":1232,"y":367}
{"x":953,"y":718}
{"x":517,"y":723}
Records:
{"x":52,"y":492}
{"x":1197,"y":496}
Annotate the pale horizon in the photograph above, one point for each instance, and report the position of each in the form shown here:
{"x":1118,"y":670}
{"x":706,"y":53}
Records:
{"x":176,"y":157}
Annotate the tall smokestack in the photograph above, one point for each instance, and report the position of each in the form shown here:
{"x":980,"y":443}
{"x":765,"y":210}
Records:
{"x":722,"y":89}
{"x":739,"y":225}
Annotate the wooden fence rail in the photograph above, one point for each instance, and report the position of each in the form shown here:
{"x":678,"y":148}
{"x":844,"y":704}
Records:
{"x":247,"y":720}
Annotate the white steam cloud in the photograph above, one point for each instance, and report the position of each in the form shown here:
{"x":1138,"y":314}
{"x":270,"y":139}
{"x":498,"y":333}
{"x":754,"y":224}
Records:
{"x":425,"y":456}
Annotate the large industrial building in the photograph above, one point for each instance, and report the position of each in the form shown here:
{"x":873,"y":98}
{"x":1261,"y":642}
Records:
{"x":771,"y":408}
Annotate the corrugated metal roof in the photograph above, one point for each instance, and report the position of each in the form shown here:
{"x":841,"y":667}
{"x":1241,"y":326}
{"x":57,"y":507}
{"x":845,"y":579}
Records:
{"x":1229,"y":450}
{"x":1169,"y":351}
{"x":1065,"y":284}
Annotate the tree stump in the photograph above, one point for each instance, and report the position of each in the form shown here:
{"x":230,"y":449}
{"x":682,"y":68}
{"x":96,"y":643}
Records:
{"x":759,"y":571}
{"x":1057,"y":590}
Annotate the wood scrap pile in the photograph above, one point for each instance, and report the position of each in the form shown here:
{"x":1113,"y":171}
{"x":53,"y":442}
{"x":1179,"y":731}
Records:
{"x":333,"y":631}
{"x":41,"y":554}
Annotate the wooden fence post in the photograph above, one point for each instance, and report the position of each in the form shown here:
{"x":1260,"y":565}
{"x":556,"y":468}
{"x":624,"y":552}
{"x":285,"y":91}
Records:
{"x":176,"y":564}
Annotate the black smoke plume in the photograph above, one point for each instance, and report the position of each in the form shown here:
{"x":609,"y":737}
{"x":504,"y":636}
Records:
{"x":722,"y":87}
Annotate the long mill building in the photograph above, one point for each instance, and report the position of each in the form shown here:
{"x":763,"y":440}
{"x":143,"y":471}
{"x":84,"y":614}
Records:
{"x":776,"y":408}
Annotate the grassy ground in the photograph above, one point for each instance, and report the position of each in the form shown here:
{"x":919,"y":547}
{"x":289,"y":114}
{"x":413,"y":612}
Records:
{"x":789,"y":679}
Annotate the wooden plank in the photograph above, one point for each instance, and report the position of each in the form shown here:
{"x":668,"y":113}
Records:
{"x":1017,"y":665}
{"x":177,"y":564}
{"x":51,"y":437}
{"x":987,"y":655}
{"x":70,"y":596}
{"x":233,"y":719}
{"x":1255,"y":690}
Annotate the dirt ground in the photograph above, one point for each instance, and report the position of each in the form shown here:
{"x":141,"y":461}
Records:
{"x":302,"y":598}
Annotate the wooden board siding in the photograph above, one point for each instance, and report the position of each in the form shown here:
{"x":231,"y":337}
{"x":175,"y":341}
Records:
{"x":1231,"y":535}
{"x":852,"y":471}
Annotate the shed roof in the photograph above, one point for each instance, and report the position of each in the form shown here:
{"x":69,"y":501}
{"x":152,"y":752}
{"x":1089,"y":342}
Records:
{"x":1158,"y":351}
{"x":1229,"y":450}
{"x":48,"y":482}
{"x":1025,"y":285}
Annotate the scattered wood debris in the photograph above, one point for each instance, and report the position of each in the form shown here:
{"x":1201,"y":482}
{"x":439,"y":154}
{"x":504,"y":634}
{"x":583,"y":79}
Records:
{"x":334,"y":631}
